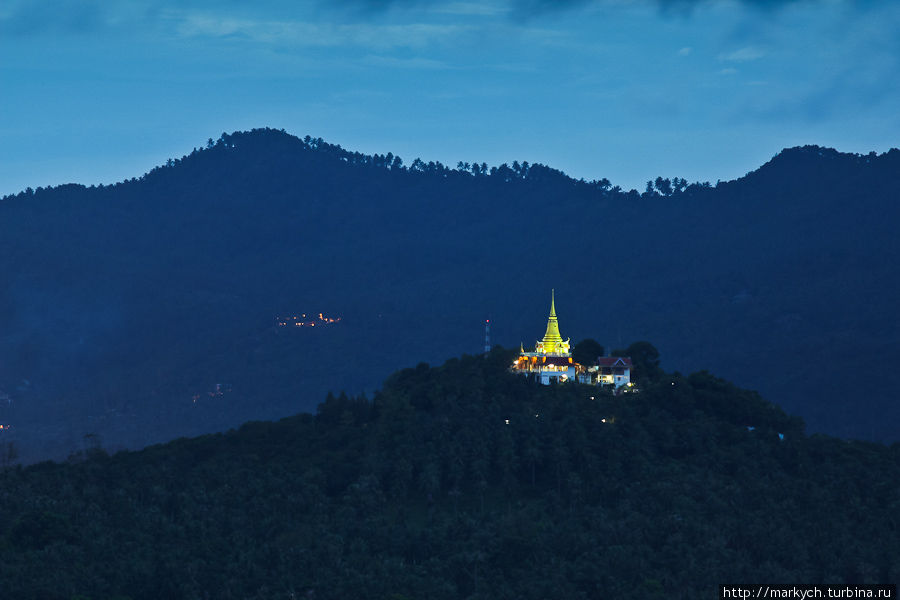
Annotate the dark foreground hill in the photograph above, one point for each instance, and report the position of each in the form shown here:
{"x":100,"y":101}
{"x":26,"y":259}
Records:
{"x":464,"y":481}
{"x":147,"y":310}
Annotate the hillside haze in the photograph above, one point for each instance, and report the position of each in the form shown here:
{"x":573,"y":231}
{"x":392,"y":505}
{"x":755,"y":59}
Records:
{"x":148,"y":309}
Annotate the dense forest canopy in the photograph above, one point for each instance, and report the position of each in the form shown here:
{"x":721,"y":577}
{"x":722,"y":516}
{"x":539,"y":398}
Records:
{"x":465,"y":481}
{"x":147,"y":309}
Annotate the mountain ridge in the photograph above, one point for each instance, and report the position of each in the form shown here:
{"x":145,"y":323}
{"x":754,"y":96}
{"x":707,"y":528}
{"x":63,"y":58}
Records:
{"x":319,"y":148}
{"x":131,"y":299}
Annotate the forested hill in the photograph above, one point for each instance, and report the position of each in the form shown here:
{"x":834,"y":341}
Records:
{"x":148,"y":309}
{"x":465,"y":481}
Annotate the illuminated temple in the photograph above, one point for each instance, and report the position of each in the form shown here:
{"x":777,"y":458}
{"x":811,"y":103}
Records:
{"x":551,"y":359}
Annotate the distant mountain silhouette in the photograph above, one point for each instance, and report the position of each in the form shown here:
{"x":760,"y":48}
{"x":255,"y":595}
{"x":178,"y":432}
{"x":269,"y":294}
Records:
{"x":124,"y":306}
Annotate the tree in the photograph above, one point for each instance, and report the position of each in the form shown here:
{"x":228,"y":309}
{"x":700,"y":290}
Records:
{"x":664,"y":186}
{"x":645,"y":360}
{"x":587,"y":351}
{"x":9,"y":454}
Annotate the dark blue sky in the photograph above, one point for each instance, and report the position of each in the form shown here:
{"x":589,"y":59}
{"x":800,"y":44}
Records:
{"x":96,"y":91}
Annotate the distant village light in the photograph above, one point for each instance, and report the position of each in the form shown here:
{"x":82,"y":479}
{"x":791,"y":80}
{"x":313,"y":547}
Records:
{"x":301,"y":322}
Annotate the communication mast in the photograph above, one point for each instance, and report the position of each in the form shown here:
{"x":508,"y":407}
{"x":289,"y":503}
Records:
{"x":487,"y":336}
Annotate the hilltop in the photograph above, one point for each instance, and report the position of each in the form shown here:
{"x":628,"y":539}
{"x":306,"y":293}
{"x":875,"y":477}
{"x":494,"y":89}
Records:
{"x":465,"y":481}
{"x":147,"y":309}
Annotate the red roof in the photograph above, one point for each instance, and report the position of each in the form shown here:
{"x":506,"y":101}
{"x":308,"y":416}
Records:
{"x":614,"y":361}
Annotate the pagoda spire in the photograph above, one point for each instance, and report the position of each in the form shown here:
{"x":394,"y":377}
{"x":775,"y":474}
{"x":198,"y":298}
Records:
{"x":552,"y":337}
{"x":553,"y":342}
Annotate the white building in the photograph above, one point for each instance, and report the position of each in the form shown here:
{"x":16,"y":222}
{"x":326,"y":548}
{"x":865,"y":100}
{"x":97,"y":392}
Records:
{"x":613,"y":370}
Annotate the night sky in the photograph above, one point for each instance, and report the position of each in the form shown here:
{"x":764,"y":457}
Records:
{"x":94,"y":91}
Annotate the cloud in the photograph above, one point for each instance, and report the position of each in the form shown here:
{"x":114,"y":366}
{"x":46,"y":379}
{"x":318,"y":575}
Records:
{"x":685,"y":51}
{"x":484,"y":9}
{"x":760,"y":4}
{"x":214,"y":26}
{"x":522,"y":9}
{"x":67,"y":16}
{"x":369,"y":5}
{"x":450,"y":7}
{"x":80,"y":17}
{"x":300,"y":33}
{"x":405,"y":63}
{"x":745,"y":54}
{"x":225,"y":19}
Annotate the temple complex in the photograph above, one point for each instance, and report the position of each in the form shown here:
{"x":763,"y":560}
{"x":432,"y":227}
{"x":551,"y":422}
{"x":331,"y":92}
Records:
{"x":551,"y":361}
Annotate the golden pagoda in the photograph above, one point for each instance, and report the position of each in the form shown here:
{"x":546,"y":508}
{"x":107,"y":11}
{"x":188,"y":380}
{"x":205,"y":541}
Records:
{"x":551,"y":359}
{"x":552,"y":342}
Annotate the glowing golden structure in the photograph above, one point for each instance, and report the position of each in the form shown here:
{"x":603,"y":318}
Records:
{"x":551,"y":362}
{"x":552,"y":342}
{"x":551,"y":359}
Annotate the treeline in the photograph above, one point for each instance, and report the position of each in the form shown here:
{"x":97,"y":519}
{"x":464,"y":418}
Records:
{"x":269,"y":138}
{"x":464,"y":481}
